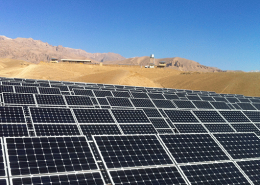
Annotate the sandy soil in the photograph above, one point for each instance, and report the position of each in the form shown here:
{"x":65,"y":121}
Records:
{"x":224,"y":82}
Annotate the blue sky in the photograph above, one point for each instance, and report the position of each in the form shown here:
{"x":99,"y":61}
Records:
{"x":219,"y":33}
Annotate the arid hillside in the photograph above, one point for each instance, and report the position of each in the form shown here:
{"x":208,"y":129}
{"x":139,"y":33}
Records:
{"x":220,"y":82}
{"x":35,"y":51}
{"x":177,"y":63}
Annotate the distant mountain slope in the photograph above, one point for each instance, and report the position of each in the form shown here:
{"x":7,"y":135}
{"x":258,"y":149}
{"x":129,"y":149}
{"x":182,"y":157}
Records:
{"x":177,"y":63}
{"x":35,"y":51}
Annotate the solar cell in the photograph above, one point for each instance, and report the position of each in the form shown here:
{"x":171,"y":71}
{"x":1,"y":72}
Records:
{"x":251,"y":169}
{"x":193,"y":98}
{"x":160,"y":175}
{"x":99,"y":129}
{"x":130,"y":116}
{"x":171,"y":96}
{"x":10,"y":83}
{"x":71,"y":179}
{"x":240,"y":145}
{"x":93,"y":116}
{"x":155,"y":96}
{"x":220,"y":99}
{"x":209,"y":116}
{"x":244,"y":100}
{"x":219,"y":105}
{"x":46,"y":90}
{"x":20,"y":89}
{"x":121,"y":94}
{"x":232,"y":100}
{"x":51,"y":115}
{"x":207,"y":98}
{"x":83,"y":92}
{"x":30,"y":84}
{"x":236,"y":106}
{"x":138,"y":129}
{"x":138,"y":102}
{"x":163,"y":104}
{"x":164,"y":131}
{"x":190,"y":128}
{"x":49,"y":99}
{"x":61,"y":87}
{"x":246,"y":106}
{"x":234,"y":116}
{"x":78,"y":100}
{"x":219,"y":127}
{"x":120,"y":102}
{"x":102,"y":101}
{"x":11,"y":115}
{"x":56,"y":130}
{"x":151,"y":113}
{"x":139,"y":95}
{"x":184,"y":104}
{"x":102,"y":93}
{"x":246,"y":127}
{"x":38,"y":155}
{"x":217,"y":173}
{"x":132,"y":151}
{"x":202,"y":105}
{"x":15,"y":98}
{"x":178,"y":116}
{"x":188,"y":148}
{"x":6,"y":88}
{"x":13,"y":130}
{"x":2,"y":161}
{"x":159,"y":123}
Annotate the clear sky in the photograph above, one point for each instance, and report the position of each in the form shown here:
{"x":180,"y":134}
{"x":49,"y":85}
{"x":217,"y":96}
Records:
{"x":219,"y":33}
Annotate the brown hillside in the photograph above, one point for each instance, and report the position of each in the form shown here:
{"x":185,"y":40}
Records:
{"x":222,"y":82}
{"x":177,"y":63}
{"x":35,"y":51}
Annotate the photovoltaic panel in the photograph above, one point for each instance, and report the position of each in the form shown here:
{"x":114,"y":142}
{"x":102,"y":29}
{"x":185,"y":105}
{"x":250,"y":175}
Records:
{"x":13,"y":130}
{"x":75,"y":87}
{"x":94,"y":100}
{"x":132,"y":151}
{"x":44,"y":84}
{"x":160,"y":175}
{"x":234,"y":116}
{"x":102,"y":93}
{"x":99,"y":129}
{"x":251,"y":169}
{"x":38,"y":155}
{"x":121,"y":94}
{"x":11,"y":115}
{"x":237,"y":107}
{"x":61,"y":87}
{"x":51,"y":115}
{"x":120,"y":102}
{"x":56,"y":130}
{"x":190,"y":128}
{"x":78,"y":100}
{"x":164,"y":131}
{"x":246,"y":127}
{"x":188,"y":148}
{"x":240,"y":145}
{"x":171,"y":96}
{"x":6,"y":88}
{"x":138,"y":129}
{"x":49,"y":99}
{"x":202,"y":105}
{"x":246,"y":106}
{"x":184,"y":104}
{"x":11,"y":83}
{"x":15,"y":98}
{"x":216,"y":173}
{"x":232,"y":100}
{"x":93,"y":116}
{"x":193,"y":98}
{"x":256,"y":105}
{"x":244,"y":100}
{"x":46,"y":90}
{"x":207,"y":98}
{"x":2,"y":162}
{"x":220,"y":99}
{"x":178,"y":116}
{"x":130,"y":116}
{"x":68,"y":179}
{"x":139,"y":95}
{"x":254,"y":100}
{"x":20,"y":89}
{"x":151,"y":113}
{"x":102,"y":101}
{"x":138,"y":102}
{"x":219,"y":127}
{"x":155,"y":96}
{"x":159,"y":123}
{"x":209,"y":116}
{"x":219,"y":105}
{"x":163,"y":104}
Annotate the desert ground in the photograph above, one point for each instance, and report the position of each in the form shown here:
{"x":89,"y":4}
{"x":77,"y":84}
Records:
{"x":220,"y":82}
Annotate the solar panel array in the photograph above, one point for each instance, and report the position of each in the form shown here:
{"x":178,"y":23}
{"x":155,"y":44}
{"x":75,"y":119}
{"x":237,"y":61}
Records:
{"x":55,"y":132}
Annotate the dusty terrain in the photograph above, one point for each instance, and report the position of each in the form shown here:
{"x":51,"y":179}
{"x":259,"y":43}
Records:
{"x":220,"y":82}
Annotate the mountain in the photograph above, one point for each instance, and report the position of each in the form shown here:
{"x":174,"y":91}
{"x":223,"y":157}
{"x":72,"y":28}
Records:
{"x":35,"y":51}
{"x":177,"y":63}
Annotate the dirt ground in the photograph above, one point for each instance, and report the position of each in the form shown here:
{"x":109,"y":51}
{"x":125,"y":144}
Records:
{"x":221,"y":82}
